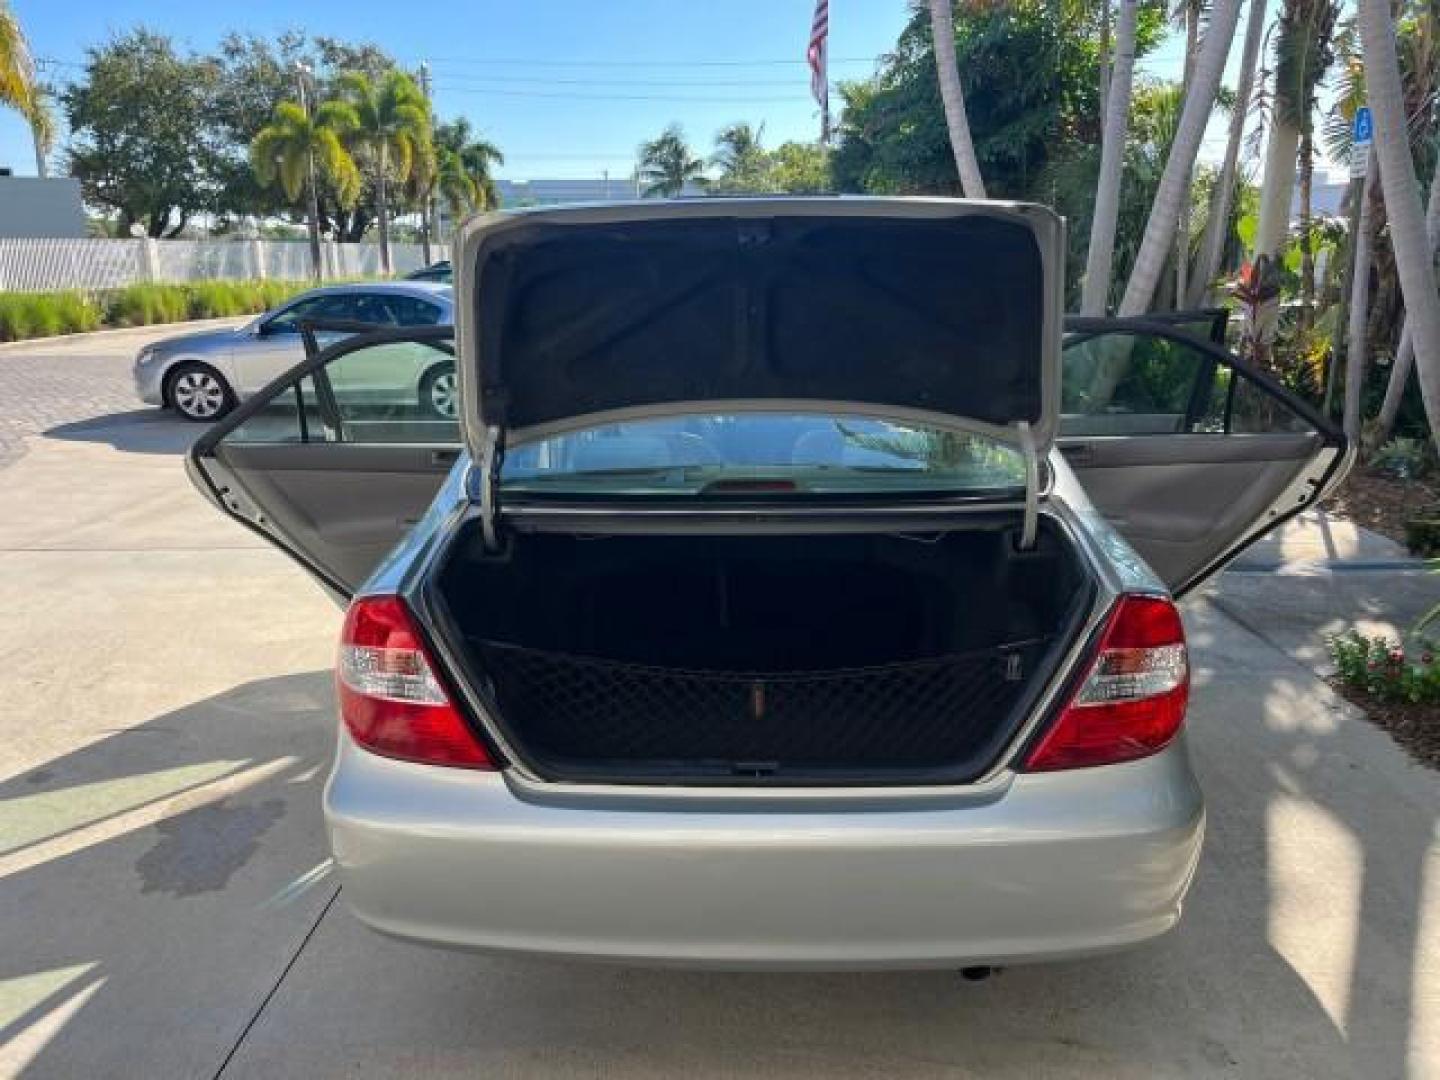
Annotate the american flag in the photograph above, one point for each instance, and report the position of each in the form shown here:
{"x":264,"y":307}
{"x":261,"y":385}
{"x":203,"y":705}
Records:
{"x":815,"y":54}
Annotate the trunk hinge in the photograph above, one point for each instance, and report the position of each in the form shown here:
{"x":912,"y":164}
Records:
{"x":487,"y":478}
{"x":1032,"y":486}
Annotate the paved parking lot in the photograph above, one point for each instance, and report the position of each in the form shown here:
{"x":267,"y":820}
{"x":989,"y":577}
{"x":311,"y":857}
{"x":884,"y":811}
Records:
{"x":167,"y":907}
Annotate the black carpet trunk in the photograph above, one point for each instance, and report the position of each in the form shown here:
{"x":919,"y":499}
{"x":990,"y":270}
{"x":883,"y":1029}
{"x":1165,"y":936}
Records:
{"x":820,"y":658}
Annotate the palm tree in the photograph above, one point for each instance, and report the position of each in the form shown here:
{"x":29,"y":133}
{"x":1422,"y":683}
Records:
{"x":1363,"y":250}
{"x":1175,"y":182}
{"x":41,"y":117}
{"x":666,"y":164}
{"x":1303,"y":52}
{"x":942,"y":29}
{"x":1095,"y":292}
{"x":393,"y":131}
{"x":1212,"y":247}
{"x":463,"y":177}
{"x":295,"y":145}
{"x":18,"y":88}
{"x":740,"y":157}
{"x":1188,"y":14}
{"x":1402,"y":199}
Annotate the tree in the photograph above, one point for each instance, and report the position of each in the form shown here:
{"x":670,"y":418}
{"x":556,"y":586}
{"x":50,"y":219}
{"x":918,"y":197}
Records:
{"x":1304,"y":52}
{"x":19,"y":89}
{"x":800,"y":169}
{"x":952,"y":94}
{"x":1212,"y":245}
{"x":1402,"y":198}
{"x":741,"y":159}
{"x":297,"y":147}
{"x":464,"y":179}
{"x":41,"y":117}
{"x":666,"y":164}
{"x":1101,"y":251}
{"x":140,"y":143}
{"x":1175,"y":182}
{"x":393,"y":130}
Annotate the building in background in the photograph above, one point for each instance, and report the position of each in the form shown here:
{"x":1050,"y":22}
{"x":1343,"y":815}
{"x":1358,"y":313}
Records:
{"x":516,"y":193}
{"x":32,"y":208}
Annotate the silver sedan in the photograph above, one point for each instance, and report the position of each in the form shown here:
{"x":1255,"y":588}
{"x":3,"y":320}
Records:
{"x":795,"y":589}
{"x":203,"y":375}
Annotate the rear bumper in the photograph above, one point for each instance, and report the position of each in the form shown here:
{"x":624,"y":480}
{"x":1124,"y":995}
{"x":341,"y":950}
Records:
{"x":1045,"y":867}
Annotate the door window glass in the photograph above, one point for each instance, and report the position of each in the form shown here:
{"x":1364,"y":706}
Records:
{"x":386,"y":392}
{"x":1132,"y":384}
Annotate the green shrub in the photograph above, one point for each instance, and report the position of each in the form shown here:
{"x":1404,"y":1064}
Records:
{"x":1380,"y":668}
{"x":1404,"y":458}
{"x":42,"y":314}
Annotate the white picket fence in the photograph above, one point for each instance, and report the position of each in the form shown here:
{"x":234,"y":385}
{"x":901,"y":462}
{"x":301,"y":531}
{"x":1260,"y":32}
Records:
{"x":39,"y":265}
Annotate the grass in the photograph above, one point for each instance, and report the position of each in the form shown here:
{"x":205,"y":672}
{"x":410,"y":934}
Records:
{"x":45,"y":314}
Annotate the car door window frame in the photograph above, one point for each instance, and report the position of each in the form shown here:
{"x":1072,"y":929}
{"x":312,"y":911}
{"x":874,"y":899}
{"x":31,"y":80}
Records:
{"x":1080,"y":328}
{"x":313,"y":366}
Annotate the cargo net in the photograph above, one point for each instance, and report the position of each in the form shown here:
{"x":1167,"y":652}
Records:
{"x":935,"y":711}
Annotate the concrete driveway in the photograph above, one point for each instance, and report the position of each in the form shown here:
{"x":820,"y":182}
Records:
{"x":167,"y":907}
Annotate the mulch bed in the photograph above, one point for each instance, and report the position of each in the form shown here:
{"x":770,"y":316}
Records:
{"x":1415,"y":727}
{"x":1381,"y":503}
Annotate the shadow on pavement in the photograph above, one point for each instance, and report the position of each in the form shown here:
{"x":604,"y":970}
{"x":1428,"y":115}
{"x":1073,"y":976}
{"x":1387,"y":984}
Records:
{"x":139,"y":431}
{"x":161,"y":880}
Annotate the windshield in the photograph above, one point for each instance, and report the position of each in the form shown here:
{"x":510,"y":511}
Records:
{"x":762,"y":454}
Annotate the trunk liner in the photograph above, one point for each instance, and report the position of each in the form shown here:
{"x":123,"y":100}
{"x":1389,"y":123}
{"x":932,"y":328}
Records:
{"x":937,"y":711}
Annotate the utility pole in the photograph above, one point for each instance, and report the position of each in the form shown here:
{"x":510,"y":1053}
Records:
{"x":427,"y":212}
{"x":300,"y":72}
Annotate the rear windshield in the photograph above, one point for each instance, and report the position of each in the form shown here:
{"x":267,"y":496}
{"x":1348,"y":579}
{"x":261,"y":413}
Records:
{"x":760,"y":453}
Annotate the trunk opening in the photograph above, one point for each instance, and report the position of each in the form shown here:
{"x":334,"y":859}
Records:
{"x":851,"y":657}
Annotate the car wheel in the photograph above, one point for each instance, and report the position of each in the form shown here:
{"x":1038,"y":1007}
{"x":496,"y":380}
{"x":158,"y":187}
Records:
{"x":440,"y":392}
{"x":198,"y":393}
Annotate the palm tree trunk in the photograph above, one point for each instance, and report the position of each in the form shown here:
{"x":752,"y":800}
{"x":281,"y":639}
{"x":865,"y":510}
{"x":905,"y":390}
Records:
{"x":1413,"y":262}
{"x":1106,"y":61}
{"x":1182,"y":227}
{"x":942,"y":28}
{"x":42,"y":166}
{"x":382,"y":211}
{"x":1276,"y":186}
{"x":1405,"y":353}
{"x":1099,"y":260}
{"x":1359,"y":307}
{"x":1306,"y":316}
{"x":1174,"y":186}
{"x":1222,"y":198}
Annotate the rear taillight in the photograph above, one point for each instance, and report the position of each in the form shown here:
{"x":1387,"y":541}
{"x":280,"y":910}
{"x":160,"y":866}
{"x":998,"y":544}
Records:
{"x":390,"y":699}
{"x":1132,"y":700}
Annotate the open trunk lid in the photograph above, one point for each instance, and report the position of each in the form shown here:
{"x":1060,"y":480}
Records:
{"x":938,"y":311}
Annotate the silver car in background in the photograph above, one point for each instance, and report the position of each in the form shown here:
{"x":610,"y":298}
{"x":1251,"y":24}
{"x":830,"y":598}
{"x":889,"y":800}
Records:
{"x":203,"y":375}
{"x":794,"y":590}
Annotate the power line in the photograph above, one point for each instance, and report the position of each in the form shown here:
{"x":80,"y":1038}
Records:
{"x":576,"y":96}
{"x":550,"y":80}
{"x":553,"y":62}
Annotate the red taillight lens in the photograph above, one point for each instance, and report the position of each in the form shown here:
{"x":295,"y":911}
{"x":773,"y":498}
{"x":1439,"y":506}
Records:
{"x":390,"y":699}
{"x":1132,"y":701}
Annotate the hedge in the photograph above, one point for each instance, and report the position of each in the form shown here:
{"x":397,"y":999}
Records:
{"x":45,"y":314}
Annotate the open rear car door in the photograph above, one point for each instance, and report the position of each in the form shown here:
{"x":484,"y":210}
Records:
{"x":1188,"y":451}
{"x":335,"y":460}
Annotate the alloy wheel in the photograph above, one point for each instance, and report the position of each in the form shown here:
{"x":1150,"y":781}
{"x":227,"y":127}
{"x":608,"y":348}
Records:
{"x":444,"y":395}
{"x":199,"y":394}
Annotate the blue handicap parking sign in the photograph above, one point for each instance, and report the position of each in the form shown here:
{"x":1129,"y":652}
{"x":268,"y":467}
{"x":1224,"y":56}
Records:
{"x":1364,"y":125}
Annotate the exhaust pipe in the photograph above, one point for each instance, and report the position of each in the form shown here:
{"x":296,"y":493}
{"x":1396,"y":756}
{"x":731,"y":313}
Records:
{"x":978,"y":973}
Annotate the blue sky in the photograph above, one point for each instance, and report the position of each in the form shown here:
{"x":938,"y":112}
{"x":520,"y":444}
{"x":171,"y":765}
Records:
{"x":565,"y":87}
